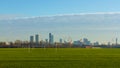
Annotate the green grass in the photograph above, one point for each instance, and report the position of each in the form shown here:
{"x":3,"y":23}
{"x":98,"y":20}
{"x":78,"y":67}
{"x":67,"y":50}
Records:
{"x":59,"y":58}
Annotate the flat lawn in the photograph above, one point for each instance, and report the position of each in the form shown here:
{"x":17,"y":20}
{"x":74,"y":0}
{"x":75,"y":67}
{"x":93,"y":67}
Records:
{"x":59,"y":58}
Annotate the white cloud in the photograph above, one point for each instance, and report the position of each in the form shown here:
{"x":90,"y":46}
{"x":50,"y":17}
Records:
{"x":10,"y":16}
{"x":82,"y":20}
{"x":17,"y":16}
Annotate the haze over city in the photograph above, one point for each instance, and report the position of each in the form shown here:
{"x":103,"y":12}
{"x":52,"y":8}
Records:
{"x":95,"y":20}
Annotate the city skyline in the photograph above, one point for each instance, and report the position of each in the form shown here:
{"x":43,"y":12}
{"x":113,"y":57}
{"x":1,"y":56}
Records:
{"x":35,"y":42}
{"x":75,"y":19}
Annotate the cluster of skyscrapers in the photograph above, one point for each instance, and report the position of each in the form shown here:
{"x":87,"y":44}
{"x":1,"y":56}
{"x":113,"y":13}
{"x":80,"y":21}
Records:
{"x":36,"y":42}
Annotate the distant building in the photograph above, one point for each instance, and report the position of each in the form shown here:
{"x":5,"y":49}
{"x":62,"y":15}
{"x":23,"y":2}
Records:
{"x":86,"y":42}
{"x":51,"y":39}
{"x":31,"y":41}
{"x":79,"y":43}
{"x":96,"y":43}
{"x":88,"y":46}
{"x":37,"y":40}
{"x":50,"y":35}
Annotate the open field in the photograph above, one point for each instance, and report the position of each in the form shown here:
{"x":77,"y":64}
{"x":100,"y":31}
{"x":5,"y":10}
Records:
{"x":59,"y":58}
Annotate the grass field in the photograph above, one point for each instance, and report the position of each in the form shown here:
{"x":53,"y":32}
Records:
{"x":59,"y":58}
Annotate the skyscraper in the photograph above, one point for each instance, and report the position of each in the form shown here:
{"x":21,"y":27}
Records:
{"x":51,"y":39}
{"x":31,"y":41}
{"x":37,"y":40}
{"x":50,"y":36}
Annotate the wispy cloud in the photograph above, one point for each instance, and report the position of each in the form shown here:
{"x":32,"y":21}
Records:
{"x":18,"y":16}
{"x":98,"y":20}
{"x":10,"y":16}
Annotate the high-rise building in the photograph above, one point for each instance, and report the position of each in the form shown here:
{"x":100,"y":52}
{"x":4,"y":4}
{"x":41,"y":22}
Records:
{"x":50,"y":35}
{"x":51,"y":39}
{"x":31,"y":41}
{"x":37,"y":40}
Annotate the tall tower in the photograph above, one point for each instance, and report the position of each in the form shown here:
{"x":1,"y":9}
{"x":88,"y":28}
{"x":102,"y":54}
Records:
{"x":31,"y":41}
{"x":51,"y":38}
{"x":37,"y":40}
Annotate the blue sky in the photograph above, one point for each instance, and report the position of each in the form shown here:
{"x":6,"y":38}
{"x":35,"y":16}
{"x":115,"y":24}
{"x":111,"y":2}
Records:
{"x":52,"y":7}
{"x":97,"y":20}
